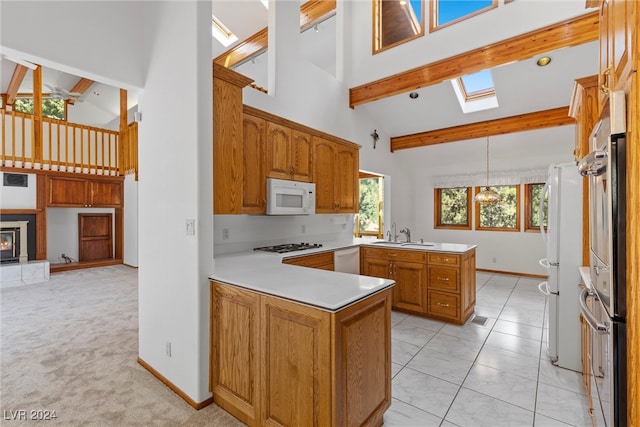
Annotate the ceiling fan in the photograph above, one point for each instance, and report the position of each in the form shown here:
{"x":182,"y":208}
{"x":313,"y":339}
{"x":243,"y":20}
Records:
{"x":61,"y":93}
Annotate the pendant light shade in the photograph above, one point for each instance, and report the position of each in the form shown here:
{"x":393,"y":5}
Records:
{"x":488,"y":195}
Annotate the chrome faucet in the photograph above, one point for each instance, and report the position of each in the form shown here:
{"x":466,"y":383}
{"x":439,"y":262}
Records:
{"x":407,"y":233}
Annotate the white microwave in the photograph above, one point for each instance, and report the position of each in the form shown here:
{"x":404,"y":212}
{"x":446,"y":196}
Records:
{"x":290,"y":197}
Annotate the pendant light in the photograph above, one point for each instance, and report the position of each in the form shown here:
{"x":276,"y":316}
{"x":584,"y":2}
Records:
{"x":488,"y":195}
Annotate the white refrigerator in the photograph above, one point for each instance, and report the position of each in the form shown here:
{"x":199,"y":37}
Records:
{"x":563,"y":239}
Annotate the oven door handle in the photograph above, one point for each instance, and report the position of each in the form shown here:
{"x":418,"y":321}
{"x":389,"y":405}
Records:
{"x":588,"y":315}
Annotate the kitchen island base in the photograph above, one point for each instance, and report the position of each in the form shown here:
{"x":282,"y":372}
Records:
{"x":278,"y":362}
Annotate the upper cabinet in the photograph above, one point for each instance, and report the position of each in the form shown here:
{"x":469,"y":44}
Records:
{"x":85,"y":192}
{"x":336,"y":176}
{"x":228,"y":177}
{"x":250,"y":145}
{"x":615,"y":46}
{"x":253,"y":148}
{"x":288,"y":153}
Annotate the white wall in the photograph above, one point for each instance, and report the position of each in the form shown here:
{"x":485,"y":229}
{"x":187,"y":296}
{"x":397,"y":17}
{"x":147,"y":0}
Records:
{"x":101,"y":40}
{"x":62,"y":231}
{"x":18,"y":197}
{"x":173,"y":186}
{"x":514,"y":251}
{"x":249,"y":231}
{"x":306,"y":94}
{"x":497,"y":24}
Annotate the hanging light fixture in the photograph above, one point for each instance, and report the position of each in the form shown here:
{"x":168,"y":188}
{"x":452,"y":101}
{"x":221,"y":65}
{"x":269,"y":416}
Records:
{"x":488,"y":195}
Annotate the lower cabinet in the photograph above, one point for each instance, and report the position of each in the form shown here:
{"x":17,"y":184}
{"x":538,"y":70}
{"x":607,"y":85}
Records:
{"x":432,"y":284}
{"x":277,"y":362}
{"x":322,"y":261}
{"x":407,"y":268}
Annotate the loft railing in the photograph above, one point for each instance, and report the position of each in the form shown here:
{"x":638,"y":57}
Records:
{"x":59,"y":145}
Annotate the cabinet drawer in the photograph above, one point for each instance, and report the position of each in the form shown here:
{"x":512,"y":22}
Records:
{"x":395,"y":254}
{"x":444,"y":305}
{"x":323,"y":261}
{"x":444,"y":278}
{"x":445,"y":259}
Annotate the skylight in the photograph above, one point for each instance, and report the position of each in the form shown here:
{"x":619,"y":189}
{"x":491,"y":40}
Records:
{"x":475,"y":92}
{"x":222,"y":33}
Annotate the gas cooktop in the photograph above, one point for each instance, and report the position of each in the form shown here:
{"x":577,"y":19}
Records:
{"x":289,"y":247}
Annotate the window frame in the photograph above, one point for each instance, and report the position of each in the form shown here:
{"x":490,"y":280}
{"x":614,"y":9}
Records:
{"x":376,"y":33}
{"x":437,"y":204}
{"x":433,"y":15}
{"x":518,"y":226}
{"x":528,"y":209}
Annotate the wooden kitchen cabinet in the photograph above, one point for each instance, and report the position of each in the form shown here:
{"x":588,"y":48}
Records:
{"x":288,"y":153}
{"x":336,"y":176}
{"x":254,"y":184}
{"x":585,"y":109}
{"x":451,"y":285}
{"x":615,"y":46}
{"x":407,"y":268}
{"x":85,"y":192}
{"x":432,"y":284}
{"x":322,"y":261}
{"x":277,"y":362}
{"x":228,"y":151}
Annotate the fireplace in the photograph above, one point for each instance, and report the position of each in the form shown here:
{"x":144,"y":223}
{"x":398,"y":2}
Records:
{"x":13,"y":241}
{"x":17,"y":238}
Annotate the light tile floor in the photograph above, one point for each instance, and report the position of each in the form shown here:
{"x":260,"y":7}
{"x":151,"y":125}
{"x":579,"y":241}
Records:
{"x":492,"y":375}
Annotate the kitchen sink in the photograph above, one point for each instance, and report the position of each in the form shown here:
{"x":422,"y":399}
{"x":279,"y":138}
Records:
{"x":386,"y":242}
{"x":417,"y":244}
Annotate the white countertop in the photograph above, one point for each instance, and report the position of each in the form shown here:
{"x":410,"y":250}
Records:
{"x":264,"y":272}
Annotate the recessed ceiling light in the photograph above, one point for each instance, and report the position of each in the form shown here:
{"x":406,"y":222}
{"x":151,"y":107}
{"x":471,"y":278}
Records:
{"x":544,"y":61}
{"x":413,"y":95}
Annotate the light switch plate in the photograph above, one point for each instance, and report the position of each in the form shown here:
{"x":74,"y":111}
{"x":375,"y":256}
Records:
{"x":190,"y":227}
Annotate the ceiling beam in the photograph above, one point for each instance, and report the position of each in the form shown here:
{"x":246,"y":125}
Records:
{"x":81,"y":87}
{"x":310,"y":13}
{"x":520,"y":123}
{"x":571,"y":32}
{"x":16,"y":80}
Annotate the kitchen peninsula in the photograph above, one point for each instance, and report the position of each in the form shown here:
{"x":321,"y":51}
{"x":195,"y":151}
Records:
{"x":292,"y":345}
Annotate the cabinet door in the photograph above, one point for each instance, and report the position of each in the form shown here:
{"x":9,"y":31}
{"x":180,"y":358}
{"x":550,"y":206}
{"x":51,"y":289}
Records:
{"x":278,"y":151}
{"x":254,"y":185}
{"x":105,"y":193}
{"x":324,"y":173}
{"x":620,"y":38}
{"x":301,"y":156}
{"x":347,"y":188}
{"x":410,"y":292}
{"x":296,"y":364}
{"x":235,"y":344}
{"x":377,"y":267}
{"x":605,"y":77}
{"x":67,"y":192}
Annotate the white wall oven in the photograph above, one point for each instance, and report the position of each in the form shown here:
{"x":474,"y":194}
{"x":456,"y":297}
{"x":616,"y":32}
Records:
{"x":606,"y":311}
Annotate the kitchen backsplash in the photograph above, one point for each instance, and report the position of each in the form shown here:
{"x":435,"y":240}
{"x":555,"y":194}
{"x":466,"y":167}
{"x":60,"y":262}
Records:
{"x":234,"y":233}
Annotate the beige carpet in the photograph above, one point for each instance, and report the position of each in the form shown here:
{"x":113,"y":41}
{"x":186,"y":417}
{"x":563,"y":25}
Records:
{"x":70,"y":345}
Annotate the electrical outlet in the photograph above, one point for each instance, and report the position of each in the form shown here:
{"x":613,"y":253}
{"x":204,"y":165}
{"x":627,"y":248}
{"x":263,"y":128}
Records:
{"x":190,"y":227}
{"x":303,"y":228}
{"x":225,"y":234}
{"x":168,"y":348}
{"x":493,"y":260}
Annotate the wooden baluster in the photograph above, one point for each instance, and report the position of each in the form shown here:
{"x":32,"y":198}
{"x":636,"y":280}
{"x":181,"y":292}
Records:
{"x":2,"y":128}
{"x":50,"y":158}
